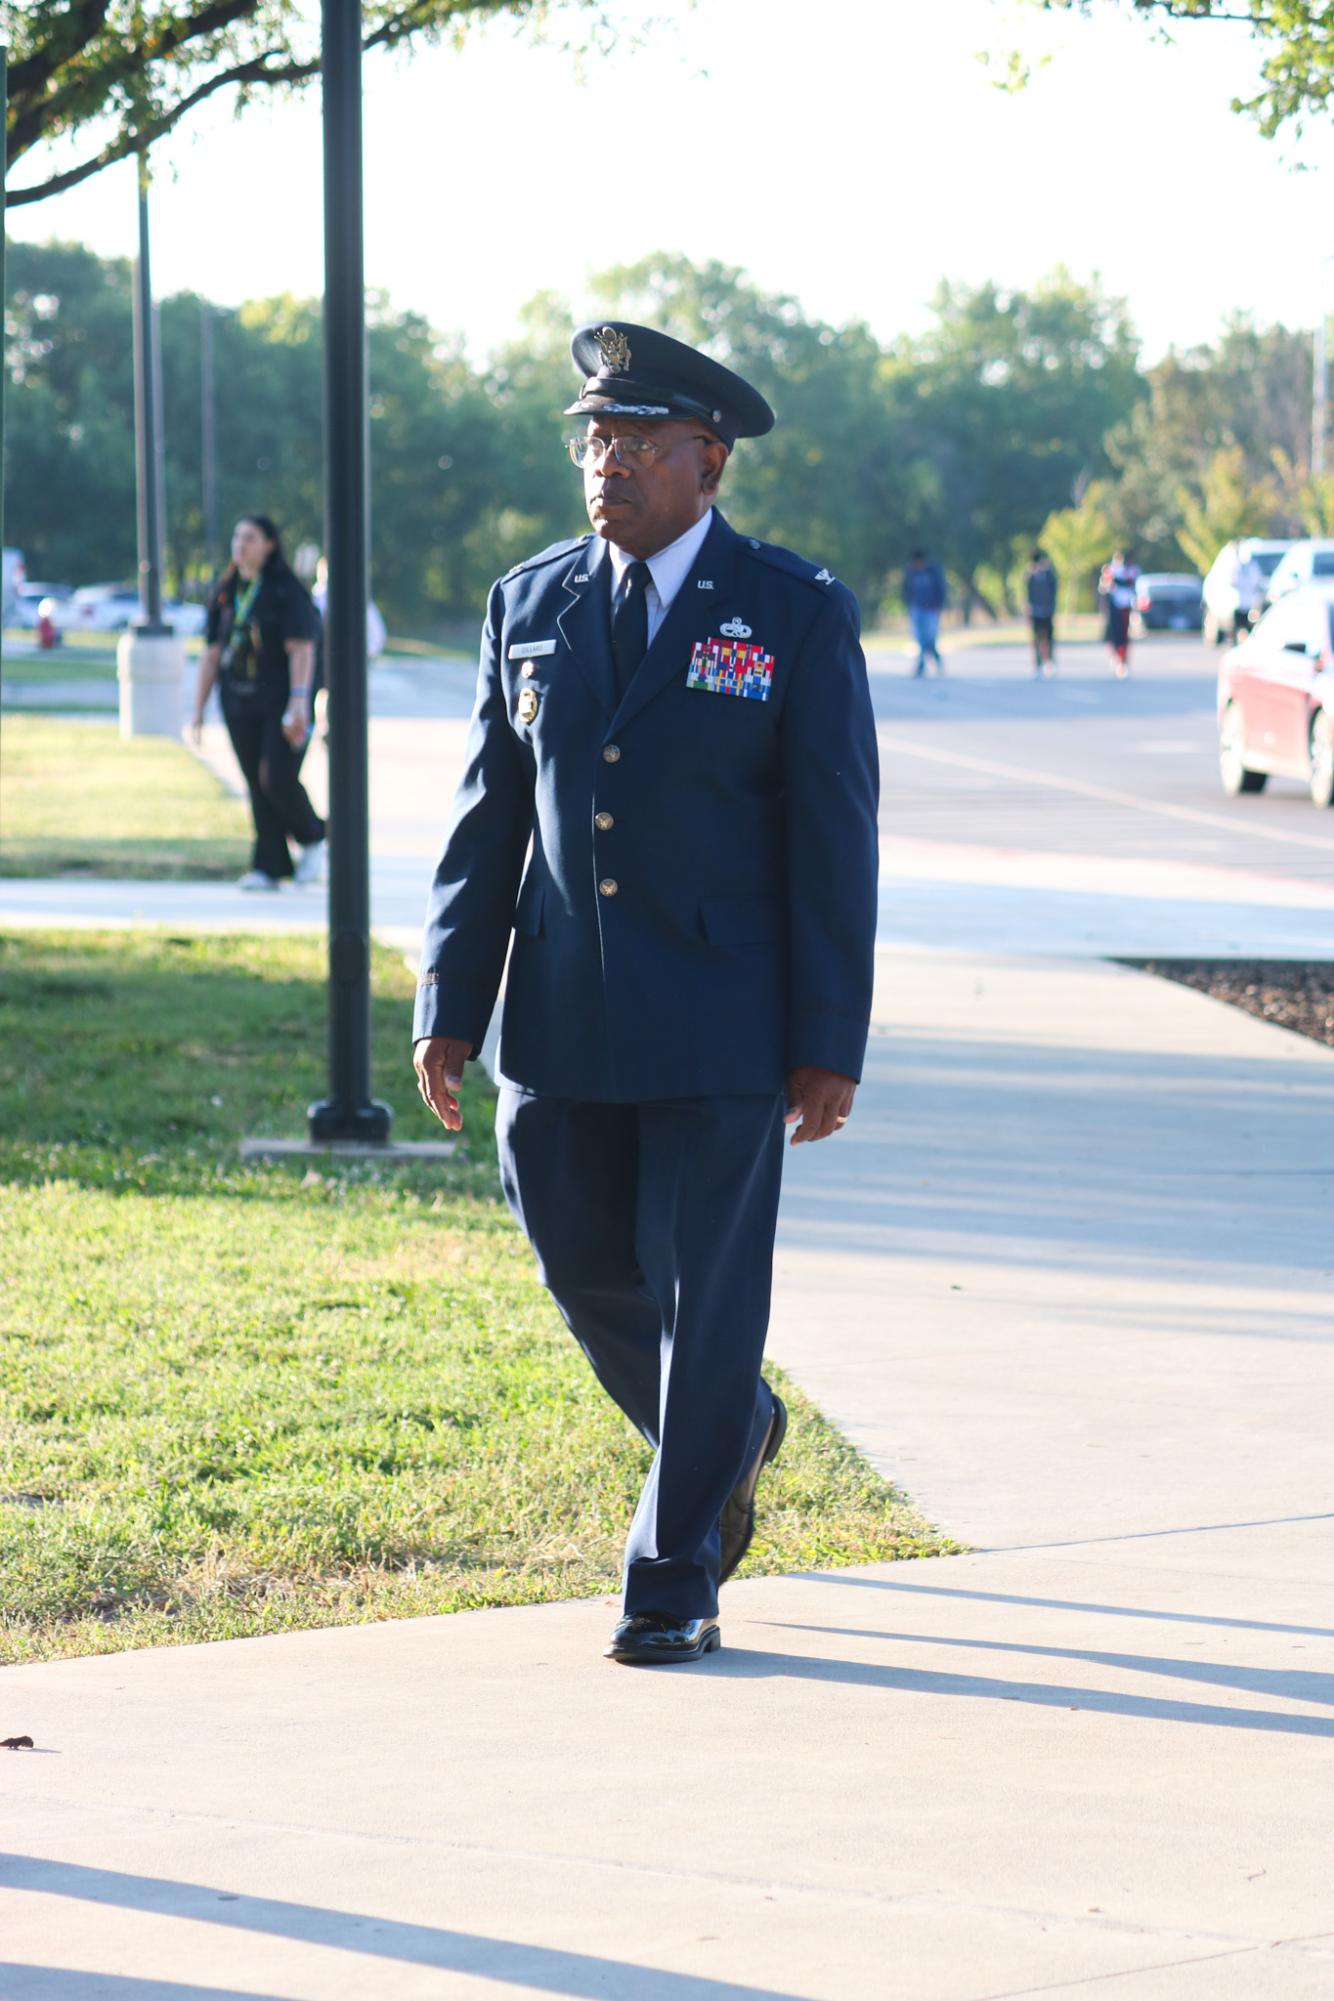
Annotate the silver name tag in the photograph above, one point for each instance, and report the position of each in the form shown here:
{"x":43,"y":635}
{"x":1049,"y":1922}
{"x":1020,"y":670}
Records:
{"x":532,"y":649}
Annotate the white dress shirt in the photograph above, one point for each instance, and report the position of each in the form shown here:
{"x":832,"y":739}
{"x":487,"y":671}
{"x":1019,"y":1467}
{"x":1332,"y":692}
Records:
{"x":667,"y":570}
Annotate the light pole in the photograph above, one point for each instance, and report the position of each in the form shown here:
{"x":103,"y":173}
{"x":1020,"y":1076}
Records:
{"x":208,"y":440}
{"x":1318,"y":394}
{"x":348,"y":1112}
{"x":147,"y":426}
{"x":149,"y":658}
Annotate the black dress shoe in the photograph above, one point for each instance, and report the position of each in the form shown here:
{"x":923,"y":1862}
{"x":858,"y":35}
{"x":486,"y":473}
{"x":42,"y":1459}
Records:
{"x":738,"y":1520}
{"x":655,"y":1639}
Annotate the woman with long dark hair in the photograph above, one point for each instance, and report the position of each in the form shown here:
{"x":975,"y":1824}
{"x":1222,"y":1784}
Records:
{"x":260,"y":647}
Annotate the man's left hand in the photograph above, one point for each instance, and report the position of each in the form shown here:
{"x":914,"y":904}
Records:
{"x":821,"y":1099}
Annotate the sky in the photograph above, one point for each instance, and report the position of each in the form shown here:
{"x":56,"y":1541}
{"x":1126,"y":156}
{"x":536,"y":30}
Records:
{"x":848,"y":152}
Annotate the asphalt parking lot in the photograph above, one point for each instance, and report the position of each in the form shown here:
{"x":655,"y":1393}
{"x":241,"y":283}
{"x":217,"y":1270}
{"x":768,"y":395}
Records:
{"x":1082,"y":763}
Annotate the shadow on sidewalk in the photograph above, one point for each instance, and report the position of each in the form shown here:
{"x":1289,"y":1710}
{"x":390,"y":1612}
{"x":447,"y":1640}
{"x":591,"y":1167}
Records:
{"x":552,"y":1971}
{"x":1293,"y":1684}
{"x":844,"y":1578}
{"x":738,"y":1665}
{"x":63,"y":1983}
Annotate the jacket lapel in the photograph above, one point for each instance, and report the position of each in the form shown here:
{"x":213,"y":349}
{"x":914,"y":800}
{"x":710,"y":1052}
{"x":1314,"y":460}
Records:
{"x":694,"y":614}
{"x":585,"y":622}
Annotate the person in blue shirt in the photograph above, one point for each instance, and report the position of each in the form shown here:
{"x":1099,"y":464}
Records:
{"x":669,"y":803}
{"x":1041,"y":587}
{"x":925,"y":596}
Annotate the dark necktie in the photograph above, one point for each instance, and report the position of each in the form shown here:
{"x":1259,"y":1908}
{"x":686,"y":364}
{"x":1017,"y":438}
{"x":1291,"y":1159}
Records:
{"x":629,"y":625}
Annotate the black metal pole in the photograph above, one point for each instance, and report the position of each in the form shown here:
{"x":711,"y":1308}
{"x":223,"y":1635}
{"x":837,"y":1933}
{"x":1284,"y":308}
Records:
{"x":208,"y":443}
{"x":147,"y":408}
{"x":349,"y":1111}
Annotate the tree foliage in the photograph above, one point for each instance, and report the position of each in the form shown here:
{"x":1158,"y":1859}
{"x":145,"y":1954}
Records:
{"x":1293,"y":36}
{"x":1014,"y":417}
{"x":112,"y":74}
{"x":1227,"y":504}
{"x":1079,"y":540}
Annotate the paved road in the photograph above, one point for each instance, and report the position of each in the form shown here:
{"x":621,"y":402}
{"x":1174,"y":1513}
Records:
{"x":1083,"y":764}
{"x":1082,"y":814}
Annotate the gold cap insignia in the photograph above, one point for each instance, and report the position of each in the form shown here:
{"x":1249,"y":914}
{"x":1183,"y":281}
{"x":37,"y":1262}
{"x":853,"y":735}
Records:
{"x":614,"y":349}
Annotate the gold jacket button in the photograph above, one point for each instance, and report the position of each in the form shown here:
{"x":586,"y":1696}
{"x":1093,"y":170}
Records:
{"x":604,"y":822}
{"x":607,"y":886}
{"x":611,"y":754}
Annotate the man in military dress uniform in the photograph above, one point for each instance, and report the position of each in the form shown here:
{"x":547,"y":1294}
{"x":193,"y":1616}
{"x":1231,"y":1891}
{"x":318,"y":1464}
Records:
{"x":670,"y":801}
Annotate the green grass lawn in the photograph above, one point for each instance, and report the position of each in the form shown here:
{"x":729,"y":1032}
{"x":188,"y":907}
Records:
{"x":76,"y":800}
{"x":239,"y":1399}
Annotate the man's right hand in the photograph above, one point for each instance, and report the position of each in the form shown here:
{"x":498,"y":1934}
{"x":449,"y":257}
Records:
{"x":438,"y":1061}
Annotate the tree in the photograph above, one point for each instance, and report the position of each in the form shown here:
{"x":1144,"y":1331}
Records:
{"x":1079,"y":541}
{"x":1009,"y":399}
{"x":114,"y":74}
{"x":1297,"y":49}
{"x":826,"y":481}
{"x":1251,"y":390}
{"x":1228,"y":504}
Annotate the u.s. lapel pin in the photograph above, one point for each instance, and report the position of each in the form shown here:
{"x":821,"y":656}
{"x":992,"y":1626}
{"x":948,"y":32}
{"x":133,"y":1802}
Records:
{"x":529,"y":704}
{"x":704,"y":583}
{"x":734,"y":629}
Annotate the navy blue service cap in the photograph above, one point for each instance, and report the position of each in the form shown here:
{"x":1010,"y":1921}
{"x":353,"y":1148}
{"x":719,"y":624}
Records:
{"x":632,"y":371}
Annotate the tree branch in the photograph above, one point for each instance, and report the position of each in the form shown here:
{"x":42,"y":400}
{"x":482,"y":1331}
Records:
{"x":256,"y":70}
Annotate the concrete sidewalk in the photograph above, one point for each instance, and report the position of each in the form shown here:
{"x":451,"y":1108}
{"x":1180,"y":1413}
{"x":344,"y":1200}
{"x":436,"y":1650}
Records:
{"x":1068,"y":1275}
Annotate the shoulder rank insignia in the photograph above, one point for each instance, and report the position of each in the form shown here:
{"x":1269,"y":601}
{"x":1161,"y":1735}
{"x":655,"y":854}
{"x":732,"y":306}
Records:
{"x":614,"y":349}
{"x":824,"y":577}
{"x":734,"y":629}
{"x":730,"y":667}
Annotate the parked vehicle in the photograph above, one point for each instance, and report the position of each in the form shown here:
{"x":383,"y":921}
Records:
{"x":11,"y":582}
{"x":1169,"y":602}
{"x":1276,"y":698}
{"x":1305,"y":562}
{"x":102,"y":608}
{"x":186,"y":619}
{"x":31,"y":596}
{"x":1221,"y":601}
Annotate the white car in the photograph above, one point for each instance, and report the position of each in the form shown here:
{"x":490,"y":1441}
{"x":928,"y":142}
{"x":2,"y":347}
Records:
{"x":1308,"y":562}
{"x":102,"y":608}
{"x":30,"y":599}
{"x":186,"y":619}
{"x":1222,"y":615}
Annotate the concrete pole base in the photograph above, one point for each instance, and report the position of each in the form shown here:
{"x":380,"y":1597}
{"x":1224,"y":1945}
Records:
{"x":150,"y":668}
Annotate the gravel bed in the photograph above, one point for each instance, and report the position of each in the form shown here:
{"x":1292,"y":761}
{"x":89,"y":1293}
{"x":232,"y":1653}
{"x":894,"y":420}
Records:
{"x":1293,"y":993}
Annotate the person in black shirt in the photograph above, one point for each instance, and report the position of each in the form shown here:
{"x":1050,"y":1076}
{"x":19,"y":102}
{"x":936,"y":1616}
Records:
{"x":260,"y":647}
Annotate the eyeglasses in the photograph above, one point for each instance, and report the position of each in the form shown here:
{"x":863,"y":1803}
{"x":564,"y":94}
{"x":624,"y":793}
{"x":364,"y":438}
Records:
{"x":634,"y":451}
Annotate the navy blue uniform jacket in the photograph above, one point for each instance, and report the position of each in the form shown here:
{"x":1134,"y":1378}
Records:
{"x":697,"y":913}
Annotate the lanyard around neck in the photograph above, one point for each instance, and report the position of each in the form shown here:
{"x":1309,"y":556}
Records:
{"x":243,"y":600}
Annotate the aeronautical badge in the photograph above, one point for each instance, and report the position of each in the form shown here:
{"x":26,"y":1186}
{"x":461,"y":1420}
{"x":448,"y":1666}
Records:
{"x":614,"y":349}
{"x":734,"y":629}
{"x":529,"y":704}
{"x":727,"y":666}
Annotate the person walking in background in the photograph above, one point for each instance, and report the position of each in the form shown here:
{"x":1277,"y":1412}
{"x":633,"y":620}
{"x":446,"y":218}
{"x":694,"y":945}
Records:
{"x":924,"y":595}
{"x":1041,"y":586}
{"x":259,"y":647}
{"x":1116,"y":587}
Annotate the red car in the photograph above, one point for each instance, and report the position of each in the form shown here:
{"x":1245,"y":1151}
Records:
{"x":1276,"y":698}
